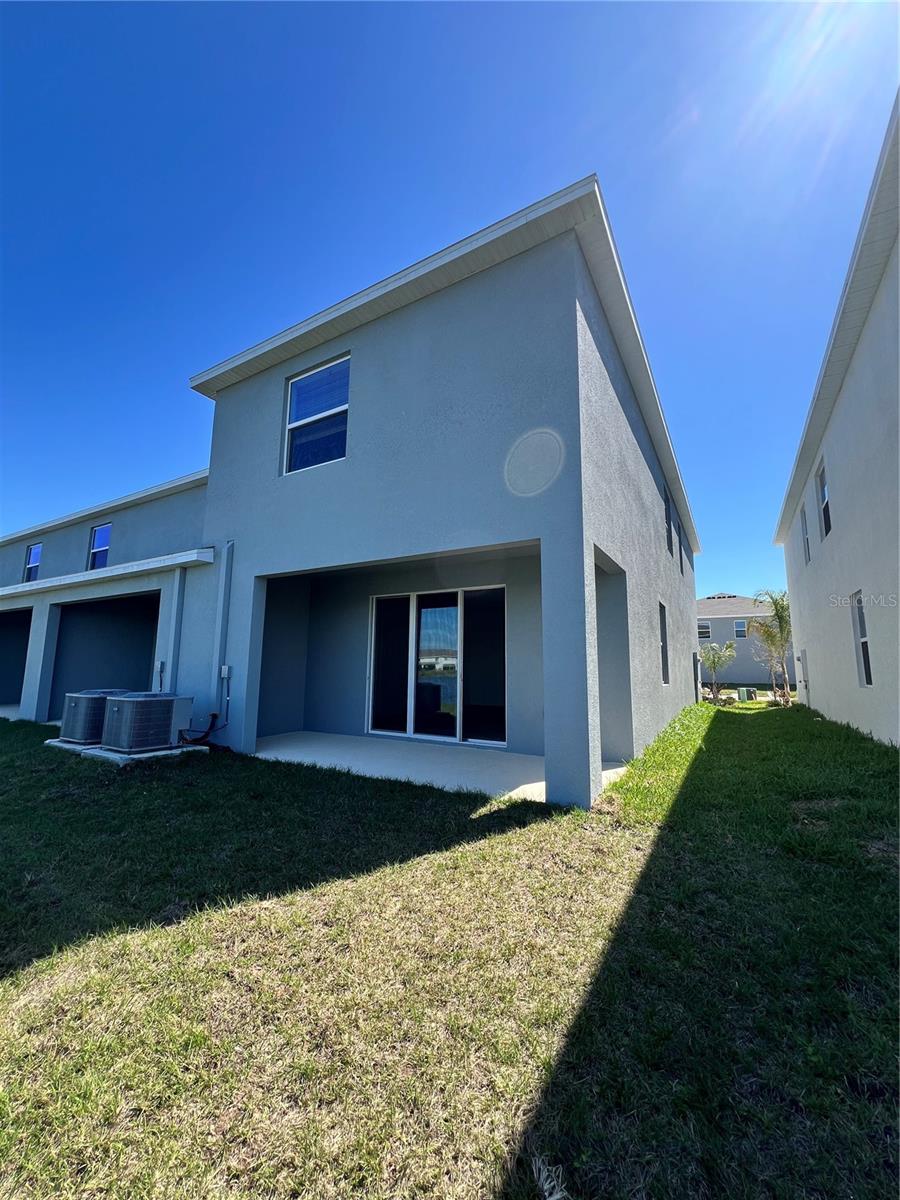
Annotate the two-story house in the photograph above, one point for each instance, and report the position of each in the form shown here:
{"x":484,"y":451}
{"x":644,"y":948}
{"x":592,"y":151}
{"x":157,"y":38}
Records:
{"x":839,"y":520}
{"x":445,"y":511}
{"x":727,"y":617}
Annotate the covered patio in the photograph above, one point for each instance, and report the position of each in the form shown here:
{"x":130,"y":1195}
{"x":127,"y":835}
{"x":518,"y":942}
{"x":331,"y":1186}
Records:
{"x":445,"y":765}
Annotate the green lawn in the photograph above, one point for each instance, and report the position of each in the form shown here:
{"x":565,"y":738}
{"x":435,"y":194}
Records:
{"x":229,"y":978}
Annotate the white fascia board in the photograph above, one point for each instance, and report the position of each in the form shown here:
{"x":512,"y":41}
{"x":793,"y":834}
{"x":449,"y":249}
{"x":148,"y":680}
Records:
{"x":182,"y":484}
{"x":871,"y":252}
{"x":145,"y":566}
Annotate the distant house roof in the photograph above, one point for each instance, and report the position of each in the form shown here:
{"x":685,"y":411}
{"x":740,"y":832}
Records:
{"x":874,"y":243}
{"x":727,"y":604}
{"x":578,"y":207}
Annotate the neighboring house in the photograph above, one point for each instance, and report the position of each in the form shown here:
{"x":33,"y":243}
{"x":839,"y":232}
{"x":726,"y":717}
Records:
{"x":726,"y":617}
{"x":529,"y":588}
{"x":838,"y":523}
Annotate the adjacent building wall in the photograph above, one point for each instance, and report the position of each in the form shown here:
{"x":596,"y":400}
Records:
{"x":746,"y":668}
{"x":155,"y":527}
{"x":860,"y":451}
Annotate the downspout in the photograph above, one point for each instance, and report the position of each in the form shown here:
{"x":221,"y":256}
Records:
{"x":220,"y":636}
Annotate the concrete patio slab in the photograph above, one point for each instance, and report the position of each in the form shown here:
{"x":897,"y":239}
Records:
{"x":446,"y":765}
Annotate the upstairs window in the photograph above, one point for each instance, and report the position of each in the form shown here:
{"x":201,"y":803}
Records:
{"x":663,"y":643}
{"x":861,"y":634}
{"x":680,"y":549}
{"x":99,"y":551}
{"x":740,"y":629}
{"x":667,"y":504}
{"x":804,"y":533}
{"x":824,"y":507}
{"x":704,"y":631}
{"x":32,"y":562}
{"x":317,"y":416}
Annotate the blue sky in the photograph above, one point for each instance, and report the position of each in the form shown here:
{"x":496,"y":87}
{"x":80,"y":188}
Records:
{"x":180,"y":181}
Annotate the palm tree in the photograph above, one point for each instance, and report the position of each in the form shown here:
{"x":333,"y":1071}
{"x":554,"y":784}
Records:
{"x":716,"y":658}
{"x":774,"y":632}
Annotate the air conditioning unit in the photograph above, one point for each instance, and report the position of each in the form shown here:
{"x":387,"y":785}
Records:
{"x":83,"y":714}
{"x":141,"y":721}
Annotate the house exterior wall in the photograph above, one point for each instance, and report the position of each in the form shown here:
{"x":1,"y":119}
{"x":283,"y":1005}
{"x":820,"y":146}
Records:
{"x":860,"y":452}
{"x":441,"y":393}
{"x":493,"y":437}
{"x":158,"y":526}
{"x":745,"y":668}
{"x":624,"y":519}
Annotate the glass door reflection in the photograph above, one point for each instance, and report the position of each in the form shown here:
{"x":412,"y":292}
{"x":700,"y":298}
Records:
{"x":437,"y":664}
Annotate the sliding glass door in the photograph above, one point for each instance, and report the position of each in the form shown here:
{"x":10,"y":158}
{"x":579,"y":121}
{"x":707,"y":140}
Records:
{"x":439,"y":665}
{"x":390,"y":654}
{"x":436,"y":710}
{"x":484,"y":665}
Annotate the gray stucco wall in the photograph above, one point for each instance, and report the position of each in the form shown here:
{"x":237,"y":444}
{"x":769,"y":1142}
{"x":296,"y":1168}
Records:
{"x":14,"y":630}
{"x":860,"y":450}
{"x":745,"y":669}
{"x":624,"y":518}
{"x":147,"y":530}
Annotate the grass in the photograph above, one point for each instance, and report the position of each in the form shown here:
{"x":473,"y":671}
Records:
{"x":232,"y":978}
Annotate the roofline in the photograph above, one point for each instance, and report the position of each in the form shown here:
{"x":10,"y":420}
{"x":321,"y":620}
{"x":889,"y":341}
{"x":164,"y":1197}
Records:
{"x":579,"y":208}
{"x":726,"y":616}
{"x":182,"y":484}
{"x":821,"y":406}
{"x":212,"y":380}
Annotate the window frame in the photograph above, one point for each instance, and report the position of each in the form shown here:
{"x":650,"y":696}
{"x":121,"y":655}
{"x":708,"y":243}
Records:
{"x":664,"y":644}
{"x":823,"y":501}
{"x":667,"y":506}
{"x":707,"y":637}
{"x":290,"y":425}
{"x":740,"y":637}
{"x":29,"y":565}
{"x":94,"y":550}
{"x":804,"y":535}
{"x":861,"y":640}
{"x":680,"y":546}
{"x":410,"y":733}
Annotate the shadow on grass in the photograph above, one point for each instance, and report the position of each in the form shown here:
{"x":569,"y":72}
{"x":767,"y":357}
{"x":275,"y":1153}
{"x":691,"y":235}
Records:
{"x":738,"y":1036}
{"x":87,"y":848}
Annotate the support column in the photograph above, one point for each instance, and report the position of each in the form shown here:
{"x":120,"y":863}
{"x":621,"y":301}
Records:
{"x":572,"y":758}
{"x":243,"y":655}
{"x":168,"y":631}
{"x":39,"y":661}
